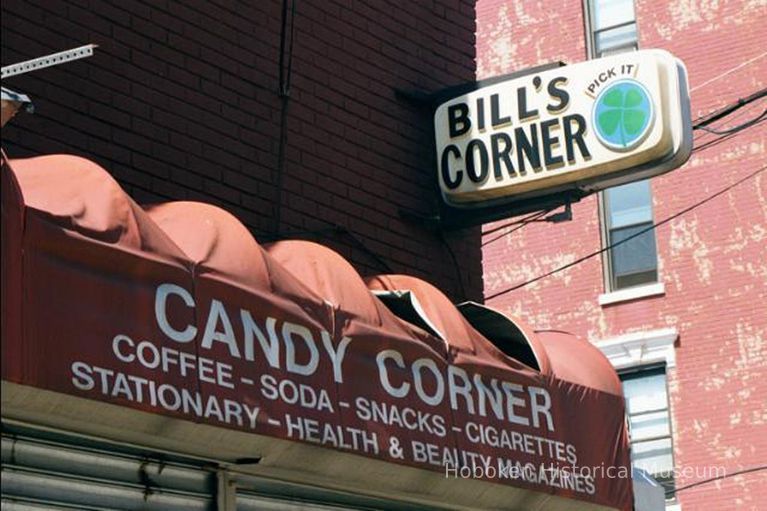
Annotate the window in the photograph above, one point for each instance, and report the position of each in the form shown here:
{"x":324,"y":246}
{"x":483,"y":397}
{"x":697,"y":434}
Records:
{"x":628,"y":211}
{"x":642,"y":360}
{"x":649,"y":423}
{"x":613,"y":27}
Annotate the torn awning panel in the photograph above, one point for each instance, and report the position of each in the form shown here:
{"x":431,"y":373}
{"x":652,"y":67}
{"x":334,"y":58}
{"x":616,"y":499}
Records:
{"x":510,"y":335}
{"x":561,"y":353}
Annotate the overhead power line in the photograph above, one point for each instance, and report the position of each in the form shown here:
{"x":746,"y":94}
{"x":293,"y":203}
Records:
{"x":723,"y":112}
{"x":515,"y":222}
{"x":703,"y":123}
{"x":635,"y":235}
{"x":739,"y":127}
{"x":729,"y":71}
{"x":738,"y":116}
{"x":671,"y":492}
{"x":723,"y":138}
{"x":517,"y":226}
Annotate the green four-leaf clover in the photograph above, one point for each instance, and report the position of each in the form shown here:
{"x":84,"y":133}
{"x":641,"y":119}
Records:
{"x":622,"y":112}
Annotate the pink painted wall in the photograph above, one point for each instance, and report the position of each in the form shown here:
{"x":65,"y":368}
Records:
{"x":712,"y":261}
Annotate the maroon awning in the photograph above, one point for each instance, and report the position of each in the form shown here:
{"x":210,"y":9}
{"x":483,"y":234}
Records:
{"x":176,"y":310}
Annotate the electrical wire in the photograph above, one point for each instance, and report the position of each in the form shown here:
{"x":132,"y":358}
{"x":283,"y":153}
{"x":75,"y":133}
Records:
{"x":361,"y":244}
{"x":737,"y":128}
{"x":728,"y":109}
{"x":723,"y":138}
{"x":286,"y":45}
{"x":519,"y":225}
{"x":700,"y":135}
{"x":701,"y":125}
{"x":702,"y":122}
{"x":515,"y":222}
{"x":671,"y":492}
{"x":706,"y":132}
{"x":457,"y":266}
{"x":629,"y":238}
{"x":729,"y":71}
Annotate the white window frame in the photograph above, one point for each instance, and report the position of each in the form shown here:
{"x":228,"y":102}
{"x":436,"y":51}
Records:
{"x":632,"y":292}
{"x":641,"y":348}
{"x":613,"y":296}
{"x":644,"y":348}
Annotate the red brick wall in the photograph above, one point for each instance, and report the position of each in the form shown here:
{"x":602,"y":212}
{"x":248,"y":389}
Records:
{"x":180,"y":103}
{"x":713,"y":260}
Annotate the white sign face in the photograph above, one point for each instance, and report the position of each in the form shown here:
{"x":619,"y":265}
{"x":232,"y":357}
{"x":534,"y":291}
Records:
{"x":588,"y":126}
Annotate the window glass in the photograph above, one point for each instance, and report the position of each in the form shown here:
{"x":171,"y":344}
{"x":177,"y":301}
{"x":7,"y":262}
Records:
{"x":613,"y":26}
{"x":635,"y":255}
{"x":628,"y":211}
{"x":629,"y":204}
{"x":616,"y":40}
{"x":646,"y":403}
{"x":608,"y":13}
{"x":649,"y":423}
{"x":644,"y":392}
{"x":654,"y":457}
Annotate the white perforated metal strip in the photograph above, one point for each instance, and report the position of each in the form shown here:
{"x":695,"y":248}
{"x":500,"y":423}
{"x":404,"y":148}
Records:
{"x":48,"y":60}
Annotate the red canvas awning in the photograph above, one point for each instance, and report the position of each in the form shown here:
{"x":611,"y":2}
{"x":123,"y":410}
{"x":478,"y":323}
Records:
{"x":175,"y":310}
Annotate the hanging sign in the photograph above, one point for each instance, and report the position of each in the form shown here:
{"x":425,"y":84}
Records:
{"x":588,"y":126}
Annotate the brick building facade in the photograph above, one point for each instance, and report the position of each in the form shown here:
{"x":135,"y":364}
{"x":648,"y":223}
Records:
{"x":182,"y":102}
{"x":698,"y":319}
